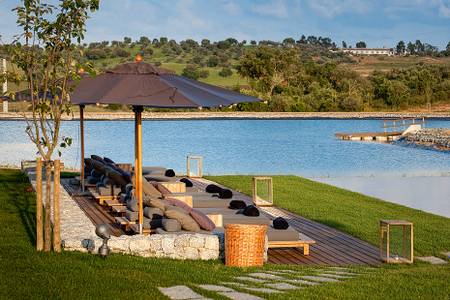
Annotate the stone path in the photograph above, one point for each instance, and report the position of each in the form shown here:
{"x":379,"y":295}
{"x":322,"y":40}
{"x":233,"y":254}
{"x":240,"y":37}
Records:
{"x":262,"y":283}
{"x":432,"y":260}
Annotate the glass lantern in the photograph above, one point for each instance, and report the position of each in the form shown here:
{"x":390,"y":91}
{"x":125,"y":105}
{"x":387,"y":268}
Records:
{"x":191,"y":159}
{"x":396,"y":241}
{"x":262,"y":191}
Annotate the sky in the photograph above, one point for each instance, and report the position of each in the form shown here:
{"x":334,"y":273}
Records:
{"x":378,"y":22}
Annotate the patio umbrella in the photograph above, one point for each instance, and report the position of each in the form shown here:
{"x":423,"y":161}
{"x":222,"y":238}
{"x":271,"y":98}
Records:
{"x":142,"y":85}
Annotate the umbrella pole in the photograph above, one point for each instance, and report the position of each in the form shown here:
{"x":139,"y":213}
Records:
{"x":138,"y":162}
{"x":82,"y":146}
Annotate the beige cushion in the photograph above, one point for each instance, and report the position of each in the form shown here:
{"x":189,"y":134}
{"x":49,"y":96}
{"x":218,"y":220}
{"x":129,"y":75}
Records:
{"x":150,"y":190}
{"x":187,"y":222}
{"x":158,"y":203}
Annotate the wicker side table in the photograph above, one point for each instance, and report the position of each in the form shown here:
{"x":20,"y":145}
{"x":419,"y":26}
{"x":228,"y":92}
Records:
{"x":244,"y":245}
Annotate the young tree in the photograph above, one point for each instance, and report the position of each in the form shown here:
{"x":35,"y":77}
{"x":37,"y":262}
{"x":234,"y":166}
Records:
{"x":344,"y":44}
{"x":361,"y":44}
{"x":401,"y":48}
{"x":127,"y":40}
{"x":45,"y":54}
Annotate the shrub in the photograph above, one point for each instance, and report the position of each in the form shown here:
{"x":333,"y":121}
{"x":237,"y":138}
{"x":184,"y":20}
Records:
{"x":226,"y":72}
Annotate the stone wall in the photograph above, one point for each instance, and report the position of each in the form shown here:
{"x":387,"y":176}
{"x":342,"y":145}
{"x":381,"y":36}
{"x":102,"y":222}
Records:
{"x":435,"y":138}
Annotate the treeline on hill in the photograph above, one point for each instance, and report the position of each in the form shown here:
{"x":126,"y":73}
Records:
{"x":287,"y":83}
{"x":291,"y":75}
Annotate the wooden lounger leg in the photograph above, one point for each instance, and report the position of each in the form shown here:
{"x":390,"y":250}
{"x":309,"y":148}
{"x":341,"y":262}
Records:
{"x":306,"y":249}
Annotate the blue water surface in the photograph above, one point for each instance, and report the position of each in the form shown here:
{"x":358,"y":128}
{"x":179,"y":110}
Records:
{"x":301,"y":147}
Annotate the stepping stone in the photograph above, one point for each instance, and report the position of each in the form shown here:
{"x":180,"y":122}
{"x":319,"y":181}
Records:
{"x":287,"y":271}
{"x":251,"y":279}
{"x":264,"y":290}
{"x":266,"y":276}
{"x":215,"y":288}
{"x":319,"y":279}
{"x":446,"y":254}
{"x":240,"y":296}
{"x":432,"y":260}
{"x":180,"y":292}
{"x":234,"y":284}
{"x":282,"y":286}
{"x":335,"y":276}
{"x":300,"y":281}
{"x":342,"y":273}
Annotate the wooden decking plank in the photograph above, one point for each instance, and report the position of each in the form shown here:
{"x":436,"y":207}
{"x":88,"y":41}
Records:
{"x":329,"y":241}
{"x":331,"y":232}
{"x":335,"y":247}
{"x":351,"y":246}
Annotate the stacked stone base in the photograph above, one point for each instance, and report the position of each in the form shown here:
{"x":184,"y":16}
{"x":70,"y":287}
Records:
{"x":78,"y":234}
{"x":176,"y":246}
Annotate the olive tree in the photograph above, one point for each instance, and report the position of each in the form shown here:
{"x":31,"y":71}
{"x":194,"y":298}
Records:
{"x":44,"y":54}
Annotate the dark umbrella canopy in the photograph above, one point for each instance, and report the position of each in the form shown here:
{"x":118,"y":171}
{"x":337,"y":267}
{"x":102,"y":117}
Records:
{"x":142,"y":84}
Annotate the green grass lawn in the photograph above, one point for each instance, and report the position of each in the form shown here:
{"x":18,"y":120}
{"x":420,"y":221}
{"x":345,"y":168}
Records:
{"x":351,"y":212}
{"x":27,"y":274}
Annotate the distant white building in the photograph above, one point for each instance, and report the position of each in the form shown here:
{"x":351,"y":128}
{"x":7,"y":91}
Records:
{"x":369,"y":51}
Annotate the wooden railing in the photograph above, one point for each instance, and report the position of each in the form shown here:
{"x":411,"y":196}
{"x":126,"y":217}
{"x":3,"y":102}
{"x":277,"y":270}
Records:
{"x":402,"y":123}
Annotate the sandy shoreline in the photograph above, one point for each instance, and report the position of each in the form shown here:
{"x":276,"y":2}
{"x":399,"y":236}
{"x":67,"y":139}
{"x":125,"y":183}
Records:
{"x":239,"y":115}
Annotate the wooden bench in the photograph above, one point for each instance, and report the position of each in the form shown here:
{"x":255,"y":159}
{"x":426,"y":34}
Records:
{"x":119,"y":210}
{"x":303,"y":242}
{"x":99,"y":198}
{"x":124,"y":223}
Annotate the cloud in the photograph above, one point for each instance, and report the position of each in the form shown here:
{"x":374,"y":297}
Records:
{"x":443,"y":7}
{"x":273,"y":8}
{"x":230,"y":7}
{"x":401,"y":7}
{"x":331,"y":8}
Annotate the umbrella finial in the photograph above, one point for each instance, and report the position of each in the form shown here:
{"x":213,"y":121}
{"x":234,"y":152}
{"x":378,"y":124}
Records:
{"x":138,"y":58}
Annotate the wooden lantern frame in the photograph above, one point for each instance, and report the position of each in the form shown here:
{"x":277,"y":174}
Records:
{"x":385,"y":236}
{"x":199,"y":160}
{"x":256,"y":199}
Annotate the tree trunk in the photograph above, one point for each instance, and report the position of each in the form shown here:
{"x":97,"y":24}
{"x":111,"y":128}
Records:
{"x":48,"y":229}
{"x":56,"y":212}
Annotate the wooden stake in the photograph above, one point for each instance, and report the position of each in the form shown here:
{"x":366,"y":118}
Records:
{"x":82,"y":146}
{"x":47,"y":225}
{"x":139,"y":166}
{"x":39,"y":223}
{"x":56,"y":210}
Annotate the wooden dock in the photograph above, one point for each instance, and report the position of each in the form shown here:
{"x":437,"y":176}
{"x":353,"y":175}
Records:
{"x":332,"y":247}
{"x":370,"y":136}
{"x":393,"y":130}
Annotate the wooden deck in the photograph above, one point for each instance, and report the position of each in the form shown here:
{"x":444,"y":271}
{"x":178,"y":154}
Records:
{"x":332,"y":246}
{"x":96,"y":213}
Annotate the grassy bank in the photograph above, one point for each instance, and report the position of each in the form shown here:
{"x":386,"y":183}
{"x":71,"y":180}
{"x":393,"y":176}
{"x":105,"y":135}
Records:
{"x":351,"y":212}
{"x":27,"y":274}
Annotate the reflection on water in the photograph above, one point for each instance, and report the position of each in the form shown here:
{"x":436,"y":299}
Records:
{"x":302,"y":147}
{"x":431,"y":194}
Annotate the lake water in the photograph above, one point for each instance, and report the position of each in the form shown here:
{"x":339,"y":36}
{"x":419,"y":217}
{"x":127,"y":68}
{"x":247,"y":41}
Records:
{"x":301,"y":147}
